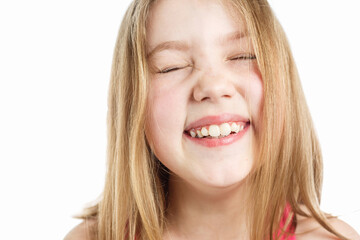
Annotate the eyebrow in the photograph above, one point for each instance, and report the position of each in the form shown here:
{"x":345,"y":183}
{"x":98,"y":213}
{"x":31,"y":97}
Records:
{"x":183,"y":46}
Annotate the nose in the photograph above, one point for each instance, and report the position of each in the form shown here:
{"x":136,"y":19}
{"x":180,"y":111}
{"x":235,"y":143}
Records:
{"x":213,"y":87}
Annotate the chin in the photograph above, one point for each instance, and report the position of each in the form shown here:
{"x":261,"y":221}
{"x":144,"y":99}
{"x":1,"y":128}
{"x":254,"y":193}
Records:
{"x":225,"y":179}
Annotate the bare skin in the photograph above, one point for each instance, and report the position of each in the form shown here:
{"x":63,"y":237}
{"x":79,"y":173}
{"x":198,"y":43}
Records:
{"x":83,"y":231}
{"x":206,"y":214}
{"x":307,"y":229}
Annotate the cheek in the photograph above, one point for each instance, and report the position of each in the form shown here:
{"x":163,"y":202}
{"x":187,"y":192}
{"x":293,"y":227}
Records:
{"x":166,"y":114}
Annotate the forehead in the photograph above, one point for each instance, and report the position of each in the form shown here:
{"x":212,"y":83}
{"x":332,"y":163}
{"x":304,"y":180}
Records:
{"x":198,"y":22}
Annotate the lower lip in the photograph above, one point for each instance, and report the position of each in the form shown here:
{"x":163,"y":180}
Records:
{"x":216,"y":142}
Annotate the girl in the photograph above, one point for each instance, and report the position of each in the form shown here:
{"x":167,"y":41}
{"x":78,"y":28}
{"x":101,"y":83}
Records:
{"x":209,"y":134}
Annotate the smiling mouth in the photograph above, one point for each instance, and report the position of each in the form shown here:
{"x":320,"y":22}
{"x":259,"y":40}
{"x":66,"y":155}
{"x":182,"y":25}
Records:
{"x":218,"y":141}
{"x":224,"y":130}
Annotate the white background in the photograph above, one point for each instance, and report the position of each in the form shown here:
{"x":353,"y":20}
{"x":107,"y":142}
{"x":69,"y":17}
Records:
{"x":55,"y":59}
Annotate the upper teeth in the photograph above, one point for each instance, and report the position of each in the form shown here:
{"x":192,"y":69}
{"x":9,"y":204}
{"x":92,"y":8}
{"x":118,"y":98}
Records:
{"x":223,"y":130}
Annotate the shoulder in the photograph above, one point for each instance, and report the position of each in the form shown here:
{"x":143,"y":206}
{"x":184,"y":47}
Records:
{"x":309,"y":228}
{"x":83,"y":231}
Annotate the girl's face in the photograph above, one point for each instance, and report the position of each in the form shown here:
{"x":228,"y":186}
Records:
{"x":202,"y":73}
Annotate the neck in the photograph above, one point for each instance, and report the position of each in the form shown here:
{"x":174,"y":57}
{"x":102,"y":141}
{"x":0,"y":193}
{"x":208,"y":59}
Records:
{"x":206,"y":212}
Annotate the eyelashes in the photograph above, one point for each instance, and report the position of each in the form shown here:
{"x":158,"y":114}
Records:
{"x":244,"y":57}
{"x":241,"y":57}
{"x":169,"y":70}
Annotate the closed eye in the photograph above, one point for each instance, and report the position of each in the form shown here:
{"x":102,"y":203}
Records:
{"x":244,"y":57}
{"x":173,"y":69}
{"x":166,"y":70}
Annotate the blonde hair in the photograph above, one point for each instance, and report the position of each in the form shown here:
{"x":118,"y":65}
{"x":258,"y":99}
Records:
{"x":288,"y":169}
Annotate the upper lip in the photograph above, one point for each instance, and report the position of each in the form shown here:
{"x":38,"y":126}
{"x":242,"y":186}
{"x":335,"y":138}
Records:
{"x":217,"y":120}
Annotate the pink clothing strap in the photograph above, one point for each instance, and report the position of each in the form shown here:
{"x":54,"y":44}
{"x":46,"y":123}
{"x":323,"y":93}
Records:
{"x":290,"y":230}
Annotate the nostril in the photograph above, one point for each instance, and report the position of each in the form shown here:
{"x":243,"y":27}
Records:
{"x":205,"y":98}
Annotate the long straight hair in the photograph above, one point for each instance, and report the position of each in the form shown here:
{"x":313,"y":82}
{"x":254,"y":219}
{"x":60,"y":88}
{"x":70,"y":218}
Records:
{"x":288,"y":169}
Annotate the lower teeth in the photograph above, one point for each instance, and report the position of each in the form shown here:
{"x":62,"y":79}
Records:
{"x":218,"y":136}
